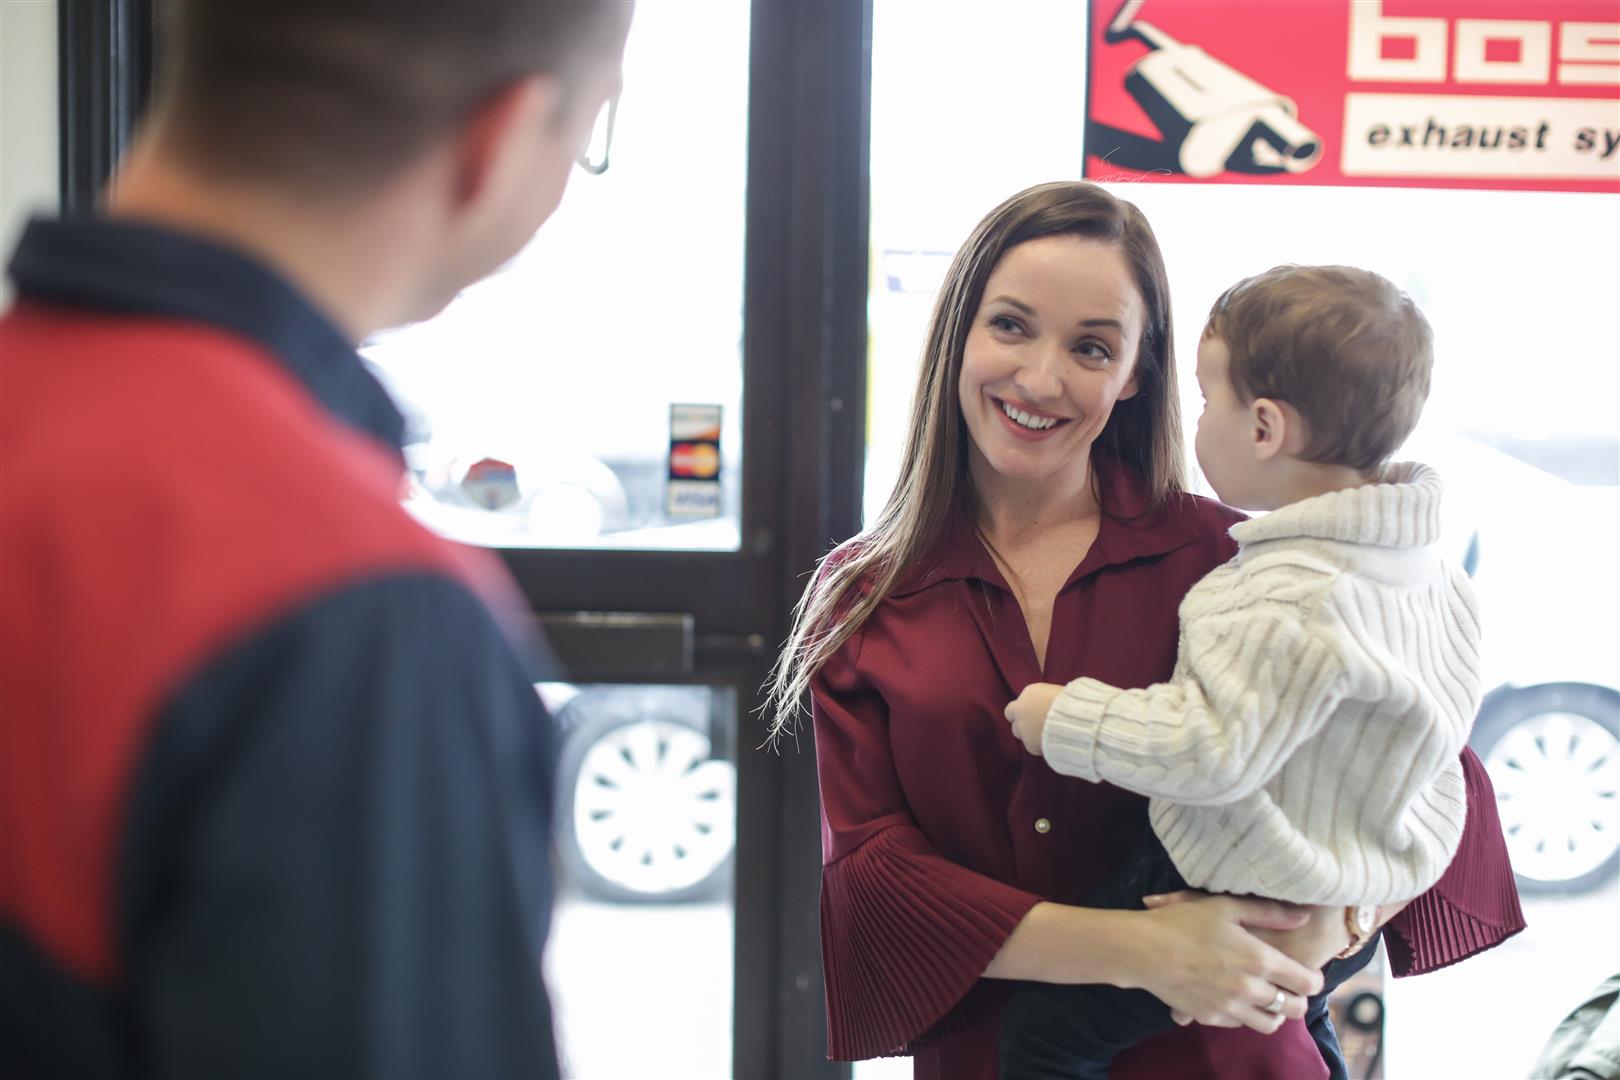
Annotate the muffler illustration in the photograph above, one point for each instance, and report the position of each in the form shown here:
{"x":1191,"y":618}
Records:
{"x":1212,"y":117}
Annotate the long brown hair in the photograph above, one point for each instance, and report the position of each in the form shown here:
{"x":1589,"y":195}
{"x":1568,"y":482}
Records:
{"x":1144,"y":431}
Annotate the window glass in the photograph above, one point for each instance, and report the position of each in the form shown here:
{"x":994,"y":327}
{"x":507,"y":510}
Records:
{"x":543,"y":399}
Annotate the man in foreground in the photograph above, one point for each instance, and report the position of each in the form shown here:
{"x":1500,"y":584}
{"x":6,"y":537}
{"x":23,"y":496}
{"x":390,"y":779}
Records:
{"x":274,"y":783}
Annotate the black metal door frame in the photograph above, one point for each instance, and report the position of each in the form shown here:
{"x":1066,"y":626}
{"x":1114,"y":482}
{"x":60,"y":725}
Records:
{"x":104,"y":78}
{"x":804,"y":392}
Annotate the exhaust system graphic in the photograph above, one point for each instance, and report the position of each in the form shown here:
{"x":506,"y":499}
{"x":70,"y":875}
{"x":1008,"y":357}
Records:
{"x":1211,"y":117}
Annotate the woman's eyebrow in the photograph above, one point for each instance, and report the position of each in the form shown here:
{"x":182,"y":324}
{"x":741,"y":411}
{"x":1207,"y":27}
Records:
{"x":1003,"y":298}
{"x":1019,"y":304}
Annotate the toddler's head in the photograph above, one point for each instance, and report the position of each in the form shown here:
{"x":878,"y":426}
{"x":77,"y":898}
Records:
{"x":1312,"y":377}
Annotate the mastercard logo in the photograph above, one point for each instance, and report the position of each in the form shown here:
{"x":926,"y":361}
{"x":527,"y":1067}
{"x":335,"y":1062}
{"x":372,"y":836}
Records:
{"x":701,"y":460}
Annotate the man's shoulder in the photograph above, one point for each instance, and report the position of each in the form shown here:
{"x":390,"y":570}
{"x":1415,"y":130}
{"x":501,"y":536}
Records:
{"x":186,"y":441}
{"x":175,"y":477}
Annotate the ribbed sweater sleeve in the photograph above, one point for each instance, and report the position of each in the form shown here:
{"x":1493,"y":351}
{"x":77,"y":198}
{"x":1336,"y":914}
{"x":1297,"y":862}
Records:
{"x":905,"y":932}
{"x":1252,"y":682}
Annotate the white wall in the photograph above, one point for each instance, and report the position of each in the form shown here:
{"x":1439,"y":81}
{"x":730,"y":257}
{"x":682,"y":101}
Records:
{"x":28,"y":128}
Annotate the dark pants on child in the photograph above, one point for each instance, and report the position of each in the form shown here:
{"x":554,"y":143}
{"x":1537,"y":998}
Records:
{"x":1074,"y":1032}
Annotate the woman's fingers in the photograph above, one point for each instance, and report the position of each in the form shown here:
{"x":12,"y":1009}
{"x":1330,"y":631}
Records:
{"x":1162,"y":900}
{"x":1291,"y":1007}
{"x":1271,"y":914}
{"x":1266,"y":1023}
{"x":1289,"y":975}
{"x":1268,"y":1006}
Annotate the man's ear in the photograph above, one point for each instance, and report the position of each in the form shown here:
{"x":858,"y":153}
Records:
{"x":495,"y":128}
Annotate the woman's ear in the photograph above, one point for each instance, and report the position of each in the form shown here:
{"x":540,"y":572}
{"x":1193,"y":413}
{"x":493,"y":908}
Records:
{"x":1131,"y":386}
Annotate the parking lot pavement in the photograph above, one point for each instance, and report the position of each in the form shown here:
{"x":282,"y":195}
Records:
{"x":642,"y":991}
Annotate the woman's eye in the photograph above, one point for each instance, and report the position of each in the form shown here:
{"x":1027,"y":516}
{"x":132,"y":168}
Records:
{"x":1006,"y":323}
{"x":1095,"y":351}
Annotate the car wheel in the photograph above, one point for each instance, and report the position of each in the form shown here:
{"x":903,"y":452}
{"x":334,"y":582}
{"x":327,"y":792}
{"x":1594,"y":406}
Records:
{"x":1553,"y":755}
{"x":645,"y":813}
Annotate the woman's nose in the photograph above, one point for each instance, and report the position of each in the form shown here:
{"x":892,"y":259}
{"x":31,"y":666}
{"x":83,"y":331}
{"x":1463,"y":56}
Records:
{"x":1041,"y":379}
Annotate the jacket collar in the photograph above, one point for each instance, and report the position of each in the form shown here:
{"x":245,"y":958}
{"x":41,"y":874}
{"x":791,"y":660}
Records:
{"x":128,"y":268}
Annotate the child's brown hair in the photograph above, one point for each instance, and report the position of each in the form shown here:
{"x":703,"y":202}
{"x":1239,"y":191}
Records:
{"x":1343,"y":346}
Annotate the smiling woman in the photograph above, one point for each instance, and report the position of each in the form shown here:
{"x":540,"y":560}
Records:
{"x":1063,"y":263}
{"x":1040,"y":531}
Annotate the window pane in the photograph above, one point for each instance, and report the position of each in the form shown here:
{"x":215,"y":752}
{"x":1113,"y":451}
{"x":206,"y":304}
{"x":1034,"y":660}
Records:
{"x":542,"y":396}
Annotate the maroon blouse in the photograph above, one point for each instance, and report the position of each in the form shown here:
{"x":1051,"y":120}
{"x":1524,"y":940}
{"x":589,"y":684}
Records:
{"x":931,"y":854}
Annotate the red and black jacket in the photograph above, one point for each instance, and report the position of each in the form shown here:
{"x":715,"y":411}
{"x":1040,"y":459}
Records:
{"x":274,"y":781}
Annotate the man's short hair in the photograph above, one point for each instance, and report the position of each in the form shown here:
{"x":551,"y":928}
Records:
{"x":1345,"y":347}
{"x":337,"y":95}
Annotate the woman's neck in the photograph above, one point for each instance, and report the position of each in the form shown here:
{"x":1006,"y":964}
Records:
{"x":1009,"y":509}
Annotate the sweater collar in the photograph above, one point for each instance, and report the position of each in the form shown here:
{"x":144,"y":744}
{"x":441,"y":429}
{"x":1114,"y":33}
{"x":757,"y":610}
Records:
{"x":1400,"y":509}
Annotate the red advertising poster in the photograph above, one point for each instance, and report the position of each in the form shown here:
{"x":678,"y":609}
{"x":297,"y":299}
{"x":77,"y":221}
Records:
{"x":1505,"y":94}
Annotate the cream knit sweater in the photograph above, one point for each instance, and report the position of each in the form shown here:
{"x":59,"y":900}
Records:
{"x":1306,"y":746}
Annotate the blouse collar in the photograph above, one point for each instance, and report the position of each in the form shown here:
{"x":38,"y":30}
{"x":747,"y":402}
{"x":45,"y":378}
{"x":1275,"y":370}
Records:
{"x":1129,"y":530}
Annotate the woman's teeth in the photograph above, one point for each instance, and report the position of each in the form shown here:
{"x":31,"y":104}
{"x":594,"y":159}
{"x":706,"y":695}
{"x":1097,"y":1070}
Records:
{"x":1024,"y":419}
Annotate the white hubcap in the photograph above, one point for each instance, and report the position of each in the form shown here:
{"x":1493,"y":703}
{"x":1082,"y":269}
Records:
{"x":652,"y":812}
{"x":1557,"y":779}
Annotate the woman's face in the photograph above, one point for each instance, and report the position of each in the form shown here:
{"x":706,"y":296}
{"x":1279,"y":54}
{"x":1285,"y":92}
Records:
{"x":1051,"y":349}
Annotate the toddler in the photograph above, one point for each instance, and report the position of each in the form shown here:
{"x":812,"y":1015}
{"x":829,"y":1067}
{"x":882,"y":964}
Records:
{"x":1306,"y":746}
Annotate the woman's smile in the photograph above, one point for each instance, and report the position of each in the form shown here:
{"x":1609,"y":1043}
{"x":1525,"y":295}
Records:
{"x":1026,"y":422}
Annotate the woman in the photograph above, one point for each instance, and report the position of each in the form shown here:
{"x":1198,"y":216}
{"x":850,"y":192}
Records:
{"x":1040,"y":531}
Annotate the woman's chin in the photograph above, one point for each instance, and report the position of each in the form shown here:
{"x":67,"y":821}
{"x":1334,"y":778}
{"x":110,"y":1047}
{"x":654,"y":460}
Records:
{"x":1022,"y":468}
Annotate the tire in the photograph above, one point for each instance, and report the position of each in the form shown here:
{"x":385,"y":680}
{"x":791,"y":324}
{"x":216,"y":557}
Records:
{"x":1553,"y":755}
{"x":645,"y":813}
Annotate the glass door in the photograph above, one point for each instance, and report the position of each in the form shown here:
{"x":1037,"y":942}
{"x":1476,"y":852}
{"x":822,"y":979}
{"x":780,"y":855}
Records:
{"x":588,"y":395}
{"x":632,"y":411}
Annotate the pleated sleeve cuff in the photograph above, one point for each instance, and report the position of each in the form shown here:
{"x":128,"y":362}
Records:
{"x":1474,"y":906}
{"x":905,"y":935}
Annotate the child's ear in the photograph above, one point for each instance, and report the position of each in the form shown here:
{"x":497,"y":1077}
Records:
{"x":1268,"y":425}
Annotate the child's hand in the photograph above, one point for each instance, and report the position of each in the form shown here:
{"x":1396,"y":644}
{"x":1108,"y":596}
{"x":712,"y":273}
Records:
{"x":1027,"y":715}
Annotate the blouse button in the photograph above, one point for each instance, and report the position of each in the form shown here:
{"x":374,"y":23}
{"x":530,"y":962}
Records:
{"x":1043,"y":826}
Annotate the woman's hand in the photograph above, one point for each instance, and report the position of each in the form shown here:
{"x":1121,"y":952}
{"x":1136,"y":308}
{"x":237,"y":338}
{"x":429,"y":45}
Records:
{"x":1323,"y":936}
{"x":1198,"y":955}
{"x":1027,"y":714}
